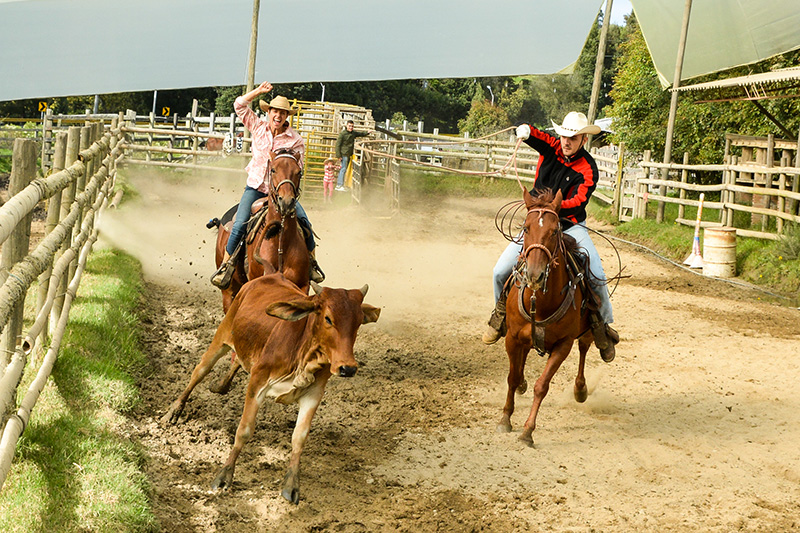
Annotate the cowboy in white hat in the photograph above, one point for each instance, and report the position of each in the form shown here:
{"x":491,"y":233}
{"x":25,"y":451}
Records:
{"x":268,"y":134}
{"x":563,"y":165}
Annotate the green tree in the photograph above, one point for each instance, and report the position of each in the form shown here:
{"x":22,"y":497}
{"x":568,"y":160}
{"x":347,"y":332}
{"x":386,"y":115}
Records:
{"x":484,"y":118}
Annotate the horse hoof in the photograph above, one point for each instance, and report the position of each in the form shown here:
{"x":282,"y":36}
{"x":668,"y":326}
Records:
{"x":522,"y":387}
{"x":527,"y":439}
{"x":504,"y":428}
{"x":581,"y":394}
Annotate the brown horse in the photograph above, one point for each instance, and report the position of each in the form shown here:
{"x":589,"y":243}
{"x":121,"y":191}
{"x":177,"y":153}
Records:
{"x":545,"y":308}
{"x":277,"y":244}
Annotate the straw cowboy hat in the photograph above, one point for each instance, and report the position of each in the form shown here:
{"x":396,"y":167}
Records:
{"x":279,"y":102}
{"x":575,"y":123}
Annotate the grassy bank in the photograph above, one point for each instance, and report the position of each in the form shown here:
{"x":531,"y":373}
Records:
{"x":75,"y":468}
{"x":771,"y":265}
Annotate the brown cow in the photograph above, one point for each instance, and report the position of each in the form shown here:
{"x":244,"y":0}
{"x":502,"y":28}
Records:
{"x":291,"y":343}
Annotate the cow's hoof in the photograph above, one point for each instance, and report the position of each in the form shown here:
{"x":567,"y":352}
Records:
{"x":292,"y":495}
{"x":522,"y":387}
{"x":171,"y":418}
{"x":221,"y":387}
{"x":224,"y":479}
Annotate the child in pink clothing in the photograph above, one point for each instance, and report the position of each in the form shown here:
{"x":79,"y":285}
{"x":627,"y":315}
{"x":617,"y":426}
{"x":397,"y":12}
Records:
{"x":329,"y":179}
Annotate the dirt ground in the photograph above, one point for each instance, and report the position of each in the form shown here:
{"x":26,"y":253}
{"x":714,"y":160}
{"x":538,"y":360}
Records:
{"x":694,"y":427}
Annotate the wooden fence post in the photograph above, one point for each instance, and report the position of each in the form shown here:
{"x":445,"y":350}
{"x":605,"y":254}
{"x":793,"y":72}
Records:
{"x":67,"y":199}
{"x":781,"y":199}
{"x":684,"y":178}
{"x":639,"y":199}
{"x":152,"y":123}
{"x":53,"y":213}
{"x":769,"y":162}
{"x":195,"y":129}
{"x":15,"y":248}
{"x":47,"y":136}
{"x":618,"y":179}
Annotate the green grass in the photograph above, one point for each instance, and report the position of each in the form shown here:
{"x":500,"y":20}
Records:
{"x":5,"y":161}
{"x":422,"y":183}
{"x":75,"y":468}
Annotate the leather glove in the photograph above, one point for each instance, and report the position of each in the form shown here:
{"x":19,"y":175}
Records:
{"x":523,"y":131}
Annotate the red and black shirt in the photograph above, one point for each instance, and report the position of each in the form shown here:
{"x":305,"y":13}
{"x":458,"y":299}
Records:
{"x":575,"y":176}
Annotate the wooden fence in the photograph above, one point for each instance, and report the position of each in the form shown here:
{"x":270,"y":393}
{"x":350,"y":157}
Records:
{"x":76,"y":192}
{"x":193,"y":140}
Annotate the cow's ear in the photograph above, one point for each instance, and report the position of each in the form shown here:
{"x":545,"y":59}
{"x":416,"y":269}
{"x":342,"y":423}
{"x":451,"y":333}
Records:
{"x":291,"y":310}
{"x":371,"y":313}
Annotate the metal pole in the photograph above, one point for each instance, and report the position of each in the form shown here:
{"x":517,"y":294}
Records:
{"x":598,"y":67}
{"x":673,"y":105}
{"x":155,"y":97}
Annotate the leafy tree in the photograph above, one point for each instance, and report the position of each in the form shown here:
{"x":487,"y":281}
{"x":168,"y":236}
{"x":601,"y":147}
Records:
{"x":483,"y":119}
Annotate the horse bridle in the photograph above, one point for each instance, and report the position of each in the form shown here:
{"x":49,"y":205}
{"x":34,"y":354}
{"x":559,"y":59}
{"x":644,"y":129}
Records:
{"x":551,"y":259}
{"x":273,"y":192}
{"x":273,"y":189}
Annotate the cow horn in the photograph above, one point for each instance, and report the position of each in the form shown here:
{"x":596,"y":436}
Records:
{"x":364,"y":290}
{"x":316,"y":287}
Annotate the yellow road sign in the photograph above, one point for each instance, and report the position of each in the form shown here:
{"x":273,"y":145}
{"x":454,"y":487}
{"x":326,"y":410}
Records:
{"x":42,"y":107}
{"x":164,"y":111}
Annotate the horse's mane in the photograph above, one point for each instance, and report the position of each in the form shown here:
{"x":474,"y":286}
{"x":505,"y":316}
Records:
{"x":541,"y":198}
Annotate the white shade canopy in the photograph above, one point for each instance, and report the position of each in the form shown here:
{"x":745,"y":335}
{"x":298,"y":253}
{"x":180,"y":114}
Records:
{"x":54,"y":48}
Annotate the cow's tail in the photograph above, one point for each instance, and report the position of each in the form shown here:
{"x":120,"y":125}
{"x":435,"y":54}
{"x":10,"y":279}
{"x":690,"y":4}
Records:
{"x":213,"y":223}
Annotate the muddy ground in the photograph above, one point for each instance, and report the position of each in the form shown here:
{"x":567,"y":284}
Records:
{"x":694,"y":427}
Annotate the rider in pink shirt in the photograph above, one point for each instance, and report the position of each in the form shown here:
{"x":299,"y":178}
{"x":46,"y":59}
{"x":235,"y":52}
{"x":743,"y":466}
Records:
{"x":269,"y":134}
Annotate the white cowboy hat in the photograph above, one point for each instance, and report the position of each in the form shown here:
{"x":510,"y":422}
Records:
{"x":279,"y":102}
{"x":575,"y":123}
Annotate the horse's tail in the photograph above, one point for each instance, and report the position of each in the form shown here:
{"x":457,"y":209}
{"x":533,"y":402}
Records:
{"x":213,"y":223}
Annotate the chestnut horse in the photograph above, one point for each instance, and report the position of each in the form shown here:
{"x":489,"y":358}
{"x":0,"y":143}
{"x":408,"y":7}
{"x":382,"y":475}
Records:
{"x":277,"y":244}
{"x":545,"y":308}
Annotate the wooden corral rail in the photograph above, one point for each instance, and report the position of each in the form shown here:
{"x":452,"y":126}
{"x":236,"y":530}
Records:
{"x":184,"y":142}
{"x":737,"y":190}
{"x":76,"y":192}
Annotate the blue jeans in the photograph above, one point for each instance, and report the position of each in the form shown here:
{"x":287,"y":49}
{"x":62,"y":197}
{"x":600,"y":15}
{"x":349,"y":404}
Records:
{"x":343,"y":170}
{"x":249,"y":196}
{"x":597,"y":278}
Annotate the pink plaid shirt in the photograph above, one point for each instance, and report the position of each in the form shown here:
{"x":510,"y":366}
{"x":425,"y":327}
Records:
{"x":263,"y":142}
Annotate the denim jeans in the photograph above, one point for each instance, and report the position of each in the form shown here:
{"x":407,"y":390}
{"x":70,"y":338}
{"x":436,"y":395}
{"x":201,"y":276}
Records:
{"x":249,"y":196}
{"x":343,"y":170}
{"x":597,"y":277}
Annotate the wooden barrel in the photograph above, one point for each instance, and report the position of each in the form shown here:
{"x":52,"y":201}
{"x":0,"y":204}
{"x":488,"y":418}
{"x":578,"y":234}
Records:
{"x":719,"y":252}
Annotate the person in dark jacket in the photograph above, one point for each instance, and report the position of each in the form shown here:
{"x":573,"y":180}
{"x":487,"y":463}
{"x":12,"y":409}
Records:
{"x":345,"y":144}
{"x":563,"y":165}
